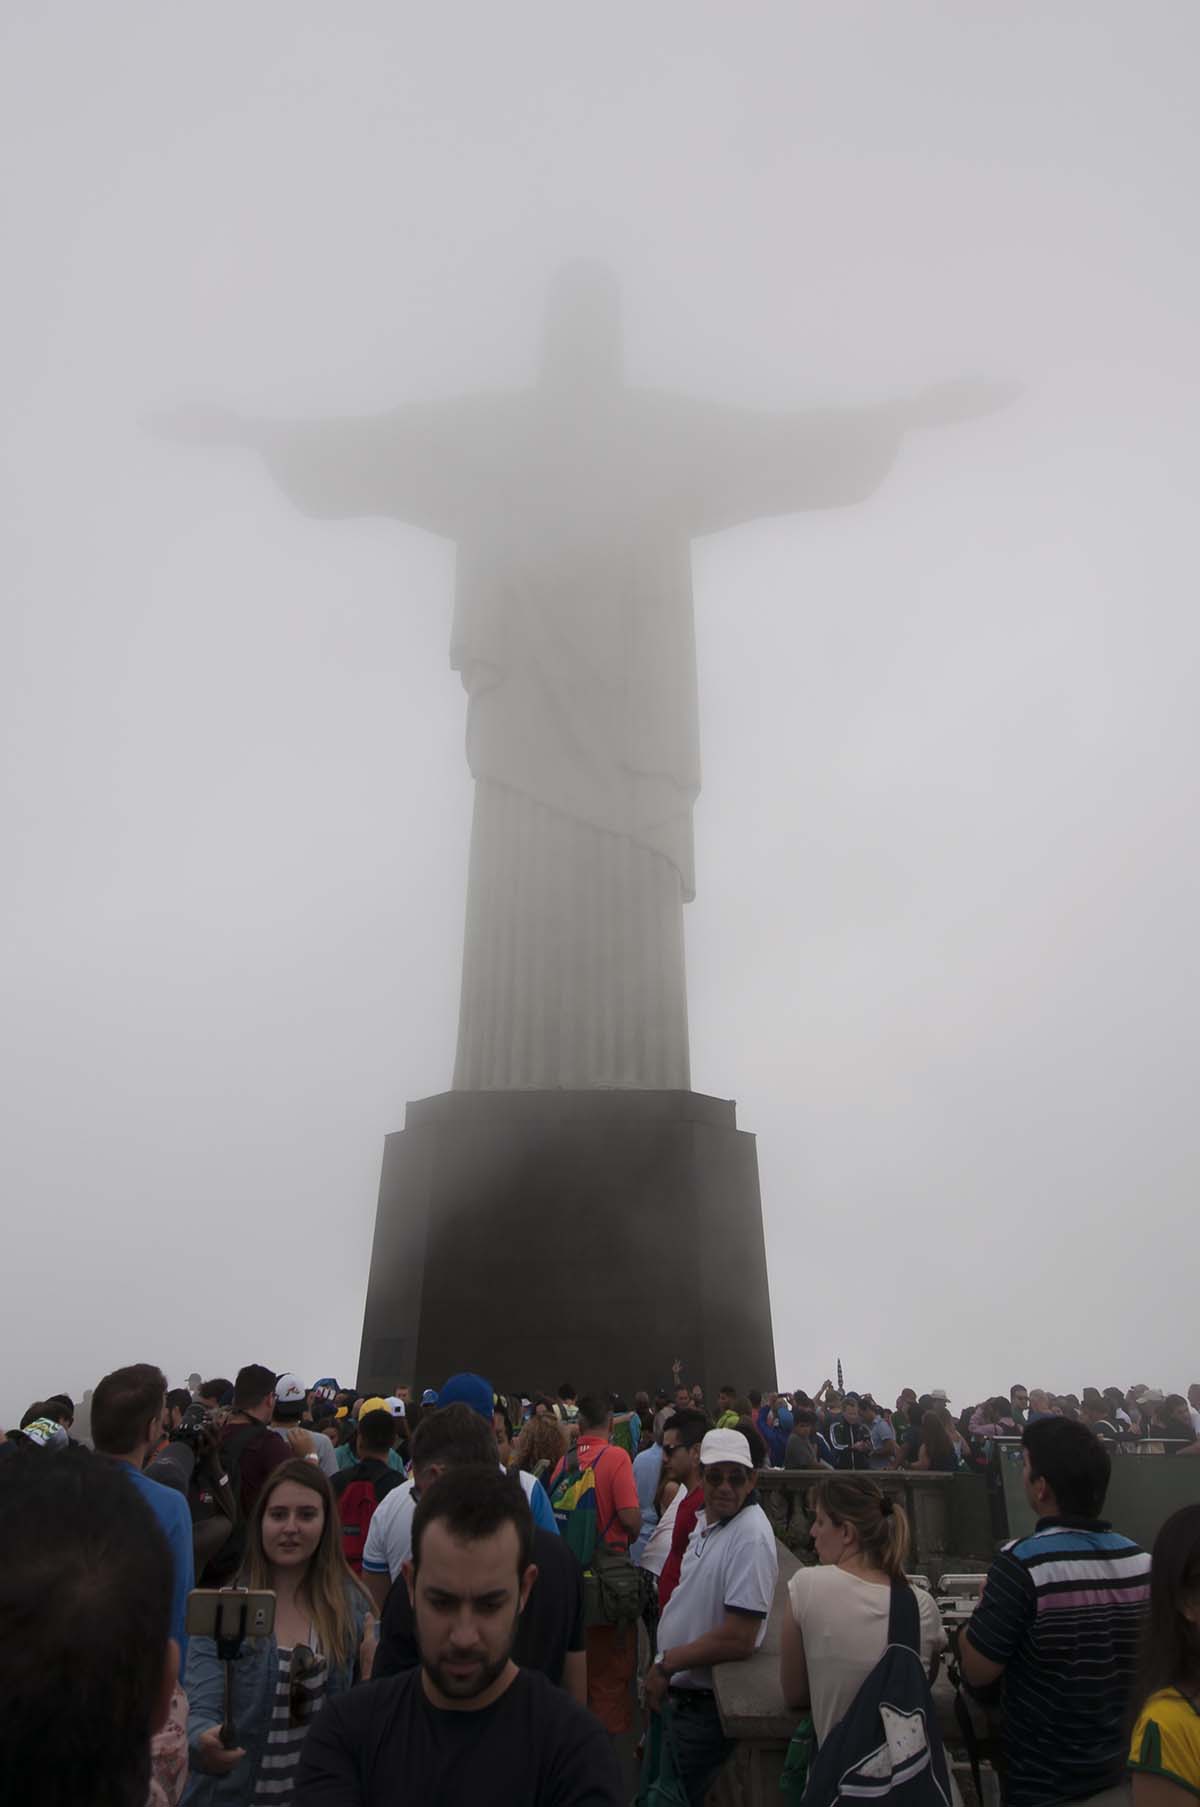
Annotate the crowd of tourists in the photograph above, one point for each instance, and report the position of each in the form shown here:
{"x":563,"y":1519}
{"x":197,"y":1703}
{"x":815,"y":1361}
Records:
{"x":474,"y":1596}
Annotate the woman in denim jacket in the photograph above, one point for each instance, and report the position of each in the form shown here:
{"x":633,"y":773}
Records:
{"x":324,"y":1641}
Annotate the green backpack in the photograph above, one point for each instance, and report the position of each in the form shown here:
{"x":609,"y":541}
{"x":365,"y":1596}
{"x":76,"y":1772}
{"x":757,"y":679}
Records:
{"x":612,"y":1587}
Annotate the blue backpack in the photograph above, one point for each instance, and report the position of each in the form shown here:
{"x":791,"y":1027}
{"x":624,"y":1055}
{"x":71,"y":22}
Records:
{"x":889,"y":1742}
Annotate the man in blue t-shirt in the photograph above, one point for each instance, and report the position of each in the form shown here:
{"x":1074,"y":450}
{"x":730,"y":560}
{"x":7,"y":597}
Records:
{"x":1060,"y":1619}
{"x":128,"y":1410}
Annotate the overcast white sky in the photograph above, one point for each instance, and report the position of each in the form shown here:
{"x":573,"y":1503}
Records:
{"x":944,"y":948}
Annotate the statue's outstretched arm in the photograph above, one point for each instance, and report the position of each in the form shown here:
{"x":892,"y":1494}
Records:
{"x":411,"y":464}
{"x":740,"y":465}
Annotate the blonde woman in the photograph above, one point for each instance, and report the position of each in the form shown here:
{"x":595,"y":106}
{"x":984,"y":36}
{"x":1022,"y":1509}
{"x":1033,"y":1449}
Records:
{"x":837,"y":1627}
{"x":324,"y":1641}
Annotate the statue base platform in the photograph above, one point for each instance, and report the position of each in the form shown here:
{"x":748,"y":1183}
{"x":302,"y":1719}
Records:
{"x":590,"y":1237}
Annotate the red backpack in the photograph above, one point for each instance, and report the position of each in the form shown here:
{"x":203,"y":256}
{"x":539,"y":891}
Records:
{"x":358,"y":1491}
{"x":356,"y":1508}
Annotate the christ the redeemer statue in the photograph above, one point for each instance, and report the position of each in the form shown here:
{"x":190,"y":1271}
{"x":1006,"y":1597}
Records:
{"x":572,"y":505}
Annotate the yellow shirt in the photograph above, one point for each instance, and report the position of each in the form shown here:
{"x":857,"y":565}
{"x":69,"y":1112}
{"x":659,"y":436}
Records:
{"x":1166,"y":1740}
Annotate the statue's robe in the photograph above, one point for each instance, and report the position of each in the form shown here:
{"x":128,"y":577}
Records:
{"x":573,"y":511}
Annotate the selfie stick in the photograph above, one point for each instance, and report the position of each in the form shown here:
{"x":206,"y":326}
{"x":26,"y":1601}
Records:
{"x":229,"y":1648}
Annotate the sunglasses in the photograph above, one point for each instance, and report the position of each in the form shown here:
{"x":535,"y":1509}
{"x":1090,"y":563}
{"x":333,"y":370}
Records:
{"x":736,"y":1476}
{"x":303,"y":1667}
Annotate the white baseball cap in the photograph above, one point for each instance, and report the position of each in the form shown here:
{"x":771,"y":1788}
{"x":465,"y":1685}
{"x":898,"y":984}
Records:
{"x":395,"y":1406}
{"x":288,"y":1390}
{"x":725,"y":1446}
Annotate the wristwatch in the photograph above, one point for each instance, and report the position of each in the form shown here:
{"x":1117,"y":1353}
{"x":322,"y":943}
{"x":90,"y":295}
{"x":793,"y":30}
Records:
{"x":660,"y":1662}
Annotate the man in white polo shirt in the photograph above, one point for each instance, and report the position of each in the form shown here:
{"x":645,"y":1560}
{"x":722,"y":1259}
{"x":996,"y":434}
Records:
{"x":459,"y":1432}
{"x":717,"y":1614}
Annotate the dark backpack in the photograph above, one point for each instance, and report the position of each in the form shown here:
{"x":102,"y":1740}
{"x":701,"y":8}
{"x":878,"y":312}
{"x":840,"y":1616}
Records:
{"x":889,"y":1742}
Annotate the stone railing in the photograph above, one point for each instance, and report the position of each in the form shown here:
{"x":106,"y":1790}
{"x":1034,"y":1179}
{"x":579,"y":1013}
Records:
{"x":951,"y":1517}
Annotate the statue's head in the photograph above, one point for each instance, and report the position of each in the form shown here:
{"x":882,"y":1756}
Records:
{"x":581,"y":345}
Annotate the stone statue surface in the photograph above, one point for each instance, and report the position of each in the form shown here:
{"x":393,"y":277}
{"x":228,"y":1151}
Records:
{"x":572,"y":505}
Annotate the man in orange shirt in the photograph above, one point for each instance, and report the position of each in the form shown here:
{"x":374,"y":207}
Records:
{"x":611,"y":1649}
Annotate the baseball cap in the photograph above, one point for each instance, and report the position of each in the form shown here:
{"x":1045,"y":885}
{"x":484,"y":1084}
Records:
{"x":725,"y":1446}
{"x":394,"y":1405}
{"x":46,"y":1434}
{"x":325,"y":1389}
{"x":429,"y":1396}
{"x":1152,"y":1396}
{"x":468,"y":1389}
{"x":288,"y":1390}
{"x":374,"y":1404}
{"x":941,"y":1395}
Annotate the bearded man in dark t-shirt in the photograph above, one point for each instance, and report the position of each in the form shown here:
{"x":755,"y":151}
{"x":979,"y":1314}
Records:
{"x":468,"y":1725}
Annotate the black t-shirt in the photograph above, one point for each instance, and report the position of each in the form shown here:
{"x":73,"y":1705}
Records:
{"x":550,"y":1627}
{"x":384,"y":1744}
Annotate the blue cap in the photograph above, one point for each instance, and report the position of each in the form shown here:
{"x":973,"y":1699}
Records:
{"x":468,"y":1389}
{"x":429,"y":1396}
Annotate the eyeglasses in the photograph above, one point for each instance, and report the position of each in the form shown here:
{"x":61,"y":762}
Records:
{"x":303,"y":1667}
{"x":736,"y":1476}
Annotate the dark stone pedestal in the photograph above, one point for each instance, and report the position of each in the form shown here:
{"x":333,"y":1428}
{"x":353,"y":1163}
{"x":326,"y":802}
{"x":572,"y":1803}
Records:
{"x":538,"y":1237}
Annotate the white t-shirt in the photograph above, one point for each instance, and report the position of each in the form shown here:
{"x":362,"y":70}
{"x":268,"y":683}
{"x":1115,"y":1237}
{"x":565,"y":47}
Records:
{"x":657,"y":1546}
{"x":389,"y":1534}
{"x":730,"y":1564}
{"x":844,"y":1623}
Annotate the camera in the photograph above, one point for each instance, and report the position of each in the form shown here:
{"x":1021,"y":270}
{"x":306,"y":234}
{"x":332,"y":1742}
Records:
{"x":193,"y":1429}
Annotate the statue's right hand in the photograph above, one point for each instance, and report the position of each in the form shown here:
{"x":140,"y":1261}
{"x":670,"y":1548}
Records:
{"x":198,"y":423}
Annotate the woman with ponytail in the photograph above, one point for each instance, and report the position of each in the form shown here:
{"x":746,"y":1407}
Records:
{"x":837,"y":1628}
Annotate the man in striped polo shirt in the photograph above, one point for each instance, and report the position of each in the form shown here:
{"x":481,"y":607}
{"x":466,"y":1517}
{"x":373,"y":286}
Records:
{"x":1059,"y":1619}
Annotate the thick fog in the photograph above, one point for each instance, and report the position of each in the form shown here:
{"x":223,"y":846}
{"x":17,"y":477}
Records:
{"x":942,"y":951}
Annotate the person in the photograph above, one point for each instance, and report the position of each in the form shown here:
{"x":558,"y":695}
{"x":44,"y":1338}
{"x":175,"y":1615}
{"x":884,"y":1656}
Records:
{"x":128,"y":1408}
{"x":179,"y":1399}
{"x":883,"y":1441}
{"x":726,"y":1407}
{"x":87,"y":1661}
{"x":717,"y":1614}
{"x":359,"y":1489}
{"x":1164,"y":1752}
{"x":216,"y":1396}
{"x":468,"y":1724}
{"x":550,"y":1635}
{"x":679,"y":1462}
{"x":1172,"y":1422}
{"x":251,"y":1449}
{"x":935,"y":1451}
{"x":346,"y":1455}
{"x":1094,"y":1410}
{"x":649,"y":1466}
{"x":689,"y":1502}
{"x":539,"y":1447}
{"x":849,"y":1438}
{"x":568,"y":1411}
{"x":291,"y":1403}
{"x":836,"y":1627}
{"x":611,"y":1649}
{"x":452,"y":1436}
{"x":1039,"y":1406}
{"x":474,"y":1391}
{"x":803,"y":1446}
{"x":625,"y":1427}
{"x":323,"y":1641}
{"x":1059,"y":1619}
